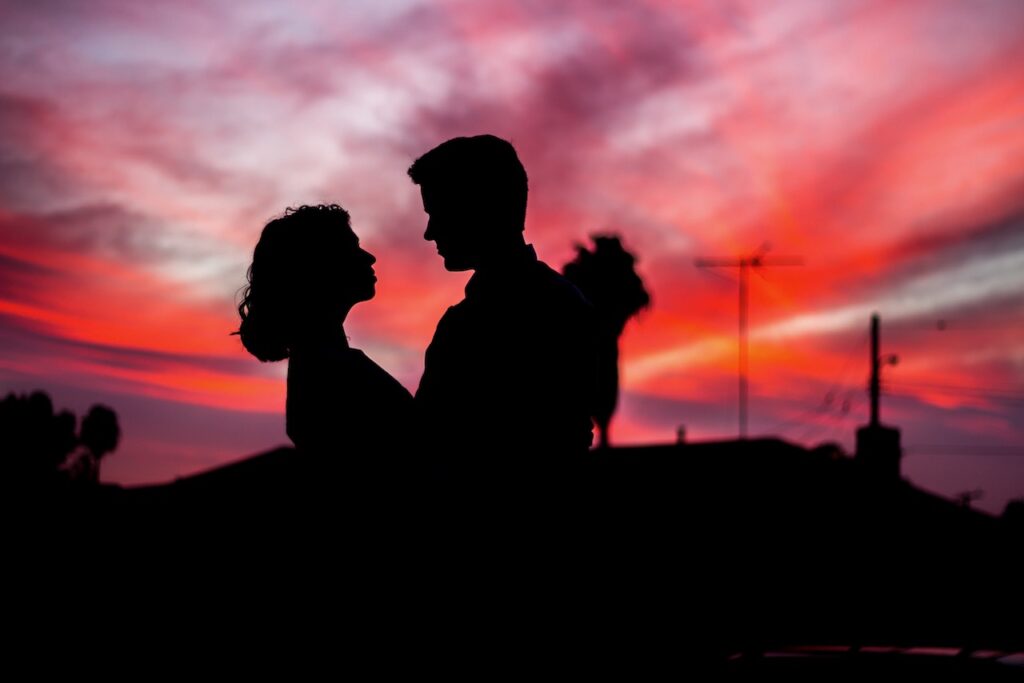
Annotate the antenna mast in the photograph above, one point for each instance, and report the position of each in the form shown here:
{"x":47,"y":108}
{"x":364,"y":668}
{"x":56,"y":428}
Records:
{"x":756,"y":261}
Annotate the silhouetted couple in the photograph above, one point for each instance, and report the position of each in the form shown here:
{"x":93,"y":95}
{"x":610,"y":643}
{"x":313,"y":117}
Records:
{"x":509,"y":376}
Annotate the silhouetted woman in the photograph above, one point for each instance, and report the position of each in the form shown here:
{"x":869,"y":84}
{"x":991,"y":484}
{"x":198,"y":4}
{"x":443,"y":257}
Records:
{"x":307,"y":273}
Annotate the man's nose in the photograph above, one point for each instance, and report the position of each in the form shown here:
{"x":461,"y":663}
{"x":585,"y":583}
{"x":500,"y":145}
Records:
{"x":370,"y":257}
{"x":429,"y":233}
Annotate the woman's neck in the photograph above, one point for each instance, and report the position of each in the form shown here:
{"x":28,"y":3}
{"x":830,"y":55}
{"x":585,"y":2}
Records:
{"x":320,"y":333}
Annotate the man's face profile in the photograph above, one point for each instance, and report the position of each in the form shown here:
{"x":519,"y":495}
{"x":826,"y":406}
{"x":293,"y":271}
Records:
{"x":451,"y":227}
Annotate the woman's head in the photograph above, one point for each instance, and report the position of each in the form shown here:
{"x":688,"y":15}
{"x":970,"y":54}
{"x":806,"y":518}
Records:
{"x":307,"y":272}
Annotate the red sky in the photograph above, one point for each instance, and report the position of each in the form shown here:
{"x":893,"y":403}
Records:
{"x":143,"y":146}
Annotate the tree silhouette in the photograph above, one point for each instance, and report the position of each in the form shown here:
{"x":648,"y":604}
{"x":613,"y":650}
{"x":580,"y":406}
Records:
{"x":36,"y":441}
{"x":99,"y":435}
{"x":40,"y":448}
{"x":607,"y":277}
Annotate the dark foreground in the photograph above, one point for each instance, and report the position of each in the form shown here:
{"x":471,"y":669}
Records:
{"x":753,"y":559}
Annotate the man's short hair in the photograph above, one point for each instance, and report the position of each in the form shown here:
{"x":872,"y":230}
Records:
{"x":484,"y":169}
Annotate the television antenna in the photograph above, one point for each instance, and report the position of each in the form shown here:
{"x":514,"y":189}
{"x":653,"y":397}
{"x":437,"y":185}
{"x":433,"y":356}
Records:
{"x":756,"y":262}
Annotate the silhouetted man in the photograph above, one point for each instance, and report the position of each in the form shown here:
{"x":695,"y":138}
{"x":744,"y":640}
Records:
{"x":510,"y":373}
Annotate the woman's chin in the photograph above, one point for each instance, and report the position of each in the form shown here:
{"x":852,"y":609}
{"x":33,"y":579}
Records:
{"x":358,"y":294}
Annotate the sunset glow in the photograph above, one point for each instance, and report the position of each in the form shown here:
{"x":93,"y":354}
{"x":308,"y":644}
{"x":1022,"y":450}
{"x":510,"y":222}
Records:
{"x":143,"y":146}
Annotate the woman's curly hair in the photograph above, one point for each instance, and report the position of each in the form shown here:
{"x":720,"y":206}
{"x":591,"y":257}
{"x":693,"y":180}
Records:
{"x":293,"y":251}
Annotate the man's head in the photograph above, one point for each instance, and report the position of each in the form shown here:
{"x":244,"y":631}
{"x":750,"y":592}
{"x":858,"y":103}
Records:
{"x":474,"y":192}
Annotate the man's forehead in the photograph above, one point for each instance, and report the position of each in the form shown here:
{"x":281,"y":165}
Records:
{"x":446,"y":195}
{"x":436,"y":195}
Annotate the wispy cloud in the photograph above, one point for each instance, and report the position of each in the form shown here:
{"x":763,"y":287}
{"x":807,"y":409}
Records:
{"x":143,"y":148}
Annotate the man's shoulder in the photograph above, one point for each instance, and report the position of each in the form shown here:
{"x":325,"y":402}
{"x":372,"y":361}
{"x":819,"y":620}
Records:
{"x":456,"y":323}
{"x":556,"y":289}
{"x":538,"y":291}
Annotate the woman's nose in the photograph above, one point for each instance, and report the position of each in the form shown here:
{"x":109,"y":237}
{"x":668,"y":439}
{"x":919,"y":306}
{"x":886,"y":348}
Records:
{"x":370,"y":257}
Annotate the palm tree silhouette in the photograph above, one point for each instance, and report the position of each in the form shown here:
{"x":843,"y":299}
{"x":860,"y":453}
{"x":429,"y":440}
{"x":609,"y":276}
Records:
{"x":607,"y":277}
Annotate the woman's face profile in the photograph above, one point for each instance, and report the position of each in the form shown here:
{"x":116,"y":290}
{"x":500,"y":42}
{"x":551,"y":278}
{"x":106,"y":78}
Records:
{"x":321,"y":269}
{"x":346,"y":269}
{"x":358,"y":279}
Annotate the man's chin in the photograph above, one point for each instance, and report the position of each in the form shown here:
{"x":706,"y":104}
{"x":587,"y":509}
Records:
{"x":456,"y":265}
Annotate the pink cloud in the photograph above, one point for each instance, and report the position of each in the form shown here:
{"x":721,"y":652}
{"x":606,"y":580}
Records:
{"x":141,"y":151}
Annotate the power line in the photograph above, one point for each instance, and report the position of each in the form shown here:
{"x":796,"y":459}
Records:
{"x":838,"y":386}
{"x":807,"y":414}
{"x":832,"y":422}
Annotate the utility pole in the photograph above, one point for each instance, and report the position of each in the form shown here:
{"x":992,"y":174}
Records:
{"x":875,"y":388}
{"x":755,"y":261}
{"x":878,"y":447}
{"x":876,"y":371}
